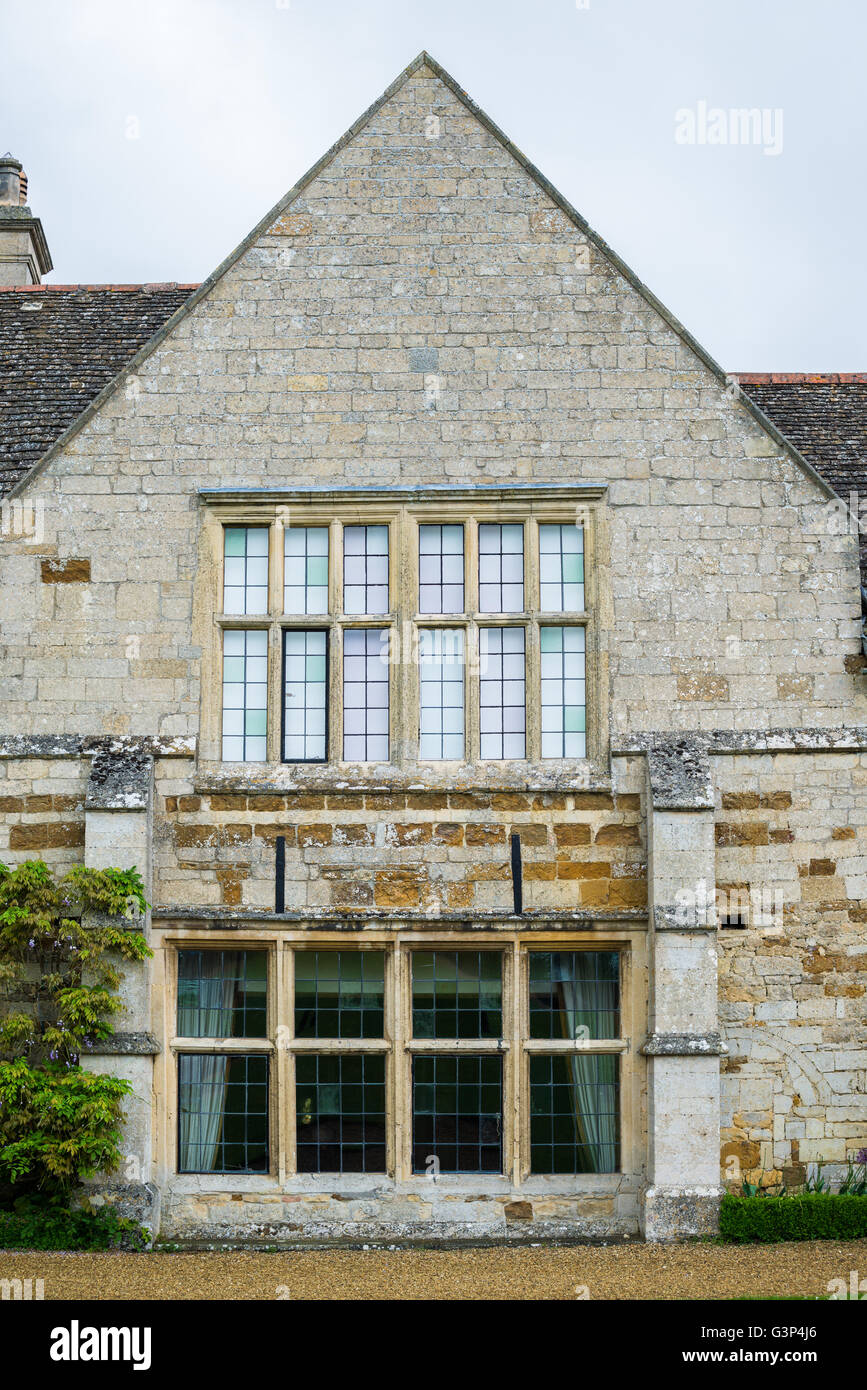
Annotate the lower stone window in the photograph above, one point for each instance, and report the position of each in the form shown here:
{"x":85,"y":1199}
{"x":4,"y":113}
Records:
{"x":222,"y":1113}
{"x":457,"y":1114}
{"x":404,"y":1057}
{"x":340,"y":1114}
{"x":574,"y":1114}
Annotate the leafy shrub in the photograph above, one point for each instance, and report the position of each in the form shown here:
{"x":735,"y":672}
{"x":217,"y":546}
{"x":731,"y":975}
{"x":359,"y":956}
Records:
{"x":61,"y":941}
{"x":35,"y":1224}
{"x":795,"y":1216}
{"x":57,"y":1125}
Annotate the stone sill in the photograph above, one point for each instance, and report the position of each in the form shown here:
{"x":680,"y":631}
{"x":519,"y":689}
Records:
{"x":635,"y":918}
{"x":282,"y":778}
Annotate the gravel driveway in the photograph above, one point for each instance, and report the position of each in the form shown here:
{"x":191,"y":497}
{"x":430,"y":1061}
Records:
{"x":525,"y":1272}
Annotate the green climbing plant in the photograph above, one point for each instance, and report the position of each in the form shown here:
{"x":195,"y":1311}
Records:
{"x":62,"y":944}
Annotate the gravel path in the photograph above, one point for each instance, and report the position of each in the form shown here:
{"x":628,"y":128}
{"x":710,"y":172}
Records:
{"x":607,"y":1272}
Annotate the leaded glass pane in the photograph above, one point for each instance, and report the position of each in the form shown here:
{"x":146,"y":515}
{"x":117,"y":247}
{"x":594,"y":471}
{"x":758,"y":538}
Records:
{"x":575,"y":1113}
{"x":340,"y":1113}
{"x":441,"y":569}
{"x":457,"y":994}
{"x":339,"y":994}
{"x":305,"y":687}
{"x":561,"y":568}
{"x":574,"y":994}
{"x":502,"y":692}
{"x":457,"y":1113}
{"x":245,"y":569}
{"x":501,"y":568}
{"x":441,"y":693}
{"x":245,"y":696}
{"x":222,"y":994}
{"x":365,"y":569}
{"x":222,"y":1114}
{"x":365,"y":695}
{"x":305,"y":569}
{"x":563,"y":692}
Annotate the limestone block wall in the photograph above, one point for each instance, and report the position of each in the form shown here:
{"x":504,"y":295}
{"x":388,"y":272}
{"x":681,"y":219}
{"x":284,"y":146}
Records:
{"x":42,"y":811}
{"x":423,"y":311}
{"x":431,"y":850}
{"x":793,"y":993}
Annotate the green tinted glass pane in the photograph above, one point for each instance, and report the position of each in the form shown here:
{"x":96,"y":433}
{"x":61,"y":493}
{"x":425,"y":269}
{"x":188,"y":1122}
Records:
{"x":317,"y":569}
{"x":551,"y":639}
{"x":340,"y":1113}
{"x":339,"y":994}
{"x":236,"y":540}
{"x":573,"y":569}
{"x":457,"y":994}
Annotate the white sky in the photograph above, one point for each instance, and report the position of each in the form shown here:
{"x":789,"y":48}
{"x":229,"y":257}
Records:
{"x":760,"y":256}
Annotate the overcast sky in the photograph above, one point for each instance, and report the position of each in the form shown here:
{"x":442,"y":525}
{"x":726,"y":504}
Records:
{"x":156,"y":133}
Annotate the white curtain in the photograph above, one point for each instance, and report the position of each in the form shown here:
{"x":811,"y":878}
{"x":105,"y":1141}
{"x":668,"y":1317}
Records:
{"x":209,"y":1016}
{"x":587,"y":1002}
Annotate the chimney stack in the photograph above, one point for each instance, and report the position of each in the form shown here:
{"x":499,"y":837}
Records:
{"x":24,"y":254}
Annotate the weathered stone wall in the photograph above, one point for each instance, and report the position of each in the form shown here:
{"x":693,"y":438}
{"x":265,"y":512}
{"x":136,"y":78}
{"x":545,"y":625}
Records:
{"x":793,"y":995}
{"x":424,"y":312}
{"x":431,"y":850}
{"x":42,"y":811}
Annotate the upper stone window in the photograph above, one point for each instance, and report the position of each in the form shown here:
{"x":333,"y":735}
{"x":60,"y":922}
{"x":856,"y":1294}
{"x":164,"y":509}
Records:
{"x":370,"y":632}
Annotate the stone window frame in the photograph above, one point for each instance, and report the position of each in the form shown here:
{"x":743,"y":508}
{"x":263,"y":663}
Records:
{"x":399,"y":1047}
{"x":402,"y":510}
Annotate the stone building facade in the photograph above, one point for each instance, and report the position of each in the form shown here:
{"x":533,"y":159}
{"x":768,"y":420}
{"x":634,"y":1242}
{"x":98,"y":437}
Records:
{"x":474,"y":671}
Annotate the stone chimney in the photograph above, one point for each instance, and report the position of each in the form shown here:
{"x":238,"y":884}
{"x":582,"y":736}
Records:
{"x":24,"y":255}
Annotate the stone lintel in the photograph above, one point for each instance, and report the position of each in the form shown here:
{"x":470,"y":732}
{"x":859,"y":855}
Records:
{"x":126,"y":1045}
{"x":684,"y":1045}
{"x":718,"y":742}
{"x":89,"y":745}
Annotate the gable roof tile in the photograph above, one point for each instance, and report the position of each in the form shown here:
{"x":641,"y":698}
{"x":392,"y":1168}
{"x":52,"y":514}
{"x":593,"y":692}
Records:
{"x":59,"y":346}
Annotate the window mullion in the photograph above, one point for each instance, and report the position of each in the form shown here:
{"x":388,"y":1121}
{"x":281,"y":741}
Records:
{"x":284,"y":1065}
{"x":533,"y":695}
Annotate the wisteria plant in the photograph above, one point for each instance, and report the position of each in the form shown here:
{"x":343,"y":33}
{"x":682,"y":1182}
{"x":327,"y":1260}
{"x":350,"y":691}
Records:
{"x":62,"y":941}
